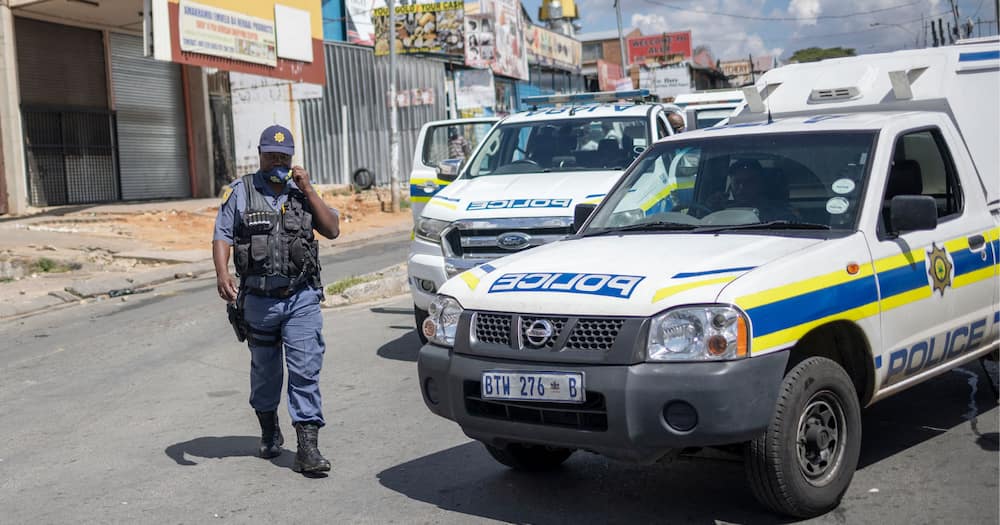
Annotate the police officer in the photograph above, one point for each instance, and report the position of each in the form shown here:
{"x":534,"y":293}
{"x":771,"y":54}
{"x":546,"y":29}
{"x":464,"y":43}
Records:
{"x":268,"y":218}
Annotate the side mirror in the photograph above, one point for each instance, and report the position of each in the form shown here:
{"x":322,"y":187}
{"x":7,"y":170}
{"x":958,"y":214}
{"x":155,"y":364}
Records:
{"x":448,"y":169}
{"x":581,"y":213}
{"x":909,"y":213}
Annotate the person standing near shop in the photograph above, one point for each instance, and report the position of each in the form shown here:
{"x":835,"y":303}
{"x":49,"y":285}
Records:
{"x":267,"y":220}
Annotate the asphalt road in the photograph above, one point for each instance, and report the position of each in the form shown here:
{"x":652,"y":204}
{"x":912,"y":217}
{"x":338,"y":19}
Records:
{"x":137,"y":412}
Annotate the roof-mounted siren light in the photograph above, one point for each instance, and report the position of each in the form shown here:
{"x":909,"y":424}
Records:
{"x":902,"y":82}
{"x":821,"y":96}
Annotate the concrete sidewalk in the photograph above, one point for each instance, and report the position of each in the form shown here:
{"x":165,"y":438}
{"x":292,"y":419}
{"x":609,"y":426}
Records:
{"x":109,"y":266}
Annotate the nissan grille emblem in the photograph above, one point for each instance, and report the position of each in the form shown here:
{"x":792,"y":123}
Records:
{"x":538,"y":333}
{"x":513,"y":240}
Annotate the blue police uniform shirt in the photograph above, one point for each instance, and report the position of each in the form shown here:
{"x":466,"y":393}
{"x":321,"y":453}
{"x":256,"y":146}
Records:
{"x":231,"y":211}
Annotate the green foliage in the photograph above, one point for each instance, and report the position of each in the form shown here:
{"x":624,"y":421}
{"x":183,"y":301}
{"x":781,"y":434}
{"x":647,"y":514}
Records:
{"x":46,"y":265}
{"x":338,"y":287}
{"x":814,"y":54}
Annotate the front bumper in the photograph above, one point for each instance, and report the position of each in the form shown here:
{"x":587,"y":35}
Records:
{"x":427,"y":263}
{"x":624,"y":416}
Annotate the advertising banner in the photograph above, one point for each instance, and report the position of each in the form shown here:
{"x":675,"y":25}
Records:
{"x":359,"y":21}
{"x":277,"y":40}
{"x":223,"y":33}
{"x":479,"y":50}
{"x":661,"y":47}
{"x":511,"y":56}
{"x":434,"y":28}
{"x":475,"y":92}
{"x":608,"y":75}
{"x":666,"y":82}
{"x":552,"y":49}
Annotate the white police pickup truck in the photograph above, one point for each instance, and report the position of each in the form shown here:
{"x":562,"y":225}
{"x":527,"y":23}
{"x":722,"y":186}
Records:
{"x":518,"y":188}
{"x":836,"y":244}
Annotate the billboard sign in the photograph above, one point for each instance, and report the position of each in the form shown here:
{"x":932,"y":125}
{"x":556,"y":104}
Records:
{"x":553,"y":49}
{"x":223,"y":33}
{"x":511,"y":56}
{"x":432,"y":28}
{"x":659,"y":47}
{"x":666,"y":82}
{"x":264,"y":38}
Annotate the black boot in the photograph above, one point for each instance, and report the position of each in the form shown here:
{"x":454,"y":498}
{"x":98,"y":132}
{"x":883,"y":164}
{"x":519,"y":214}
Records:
{"x":270,"y":435}
{"x":308,"y":458}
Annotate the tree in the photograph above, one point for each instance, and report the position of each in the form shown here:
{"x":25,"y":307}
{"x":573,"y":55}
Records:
{"x":815,"y":54}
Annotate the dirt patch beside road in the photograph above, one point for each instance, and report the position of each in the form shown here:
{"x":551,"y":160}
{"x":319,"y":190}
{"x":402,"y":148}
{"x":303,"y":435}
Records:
{"x":192,"y":230}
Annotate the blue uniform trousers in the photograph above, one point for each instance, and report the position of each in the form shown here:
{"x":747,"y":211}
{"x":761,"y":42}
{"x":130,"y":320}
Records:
{"x":295,"y":325}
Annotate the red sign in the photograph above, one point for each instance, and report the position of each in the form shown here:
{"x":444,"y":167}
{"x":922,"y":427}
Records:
{"x":608,"y":75}
{"x":642,"y":47}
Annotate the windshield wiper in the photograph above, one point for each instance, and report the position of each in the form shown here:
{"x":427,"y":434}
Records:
{"x":768,"y":225}
{"x":644,"y":226}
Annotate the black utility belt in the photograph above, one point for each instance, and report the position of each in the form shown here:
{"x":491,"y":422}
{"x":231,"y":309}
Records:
{"x":276,"y":293}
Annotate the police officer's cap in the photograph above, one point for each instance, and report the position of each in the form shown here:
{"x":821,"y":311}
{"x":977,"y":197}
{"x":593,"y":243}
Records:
{"x":277,"y":139}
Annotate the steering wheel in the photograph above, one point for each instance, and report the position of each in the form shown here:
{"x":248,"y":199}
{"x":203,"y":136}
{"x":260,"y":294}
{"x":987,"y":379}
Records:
{"x":524,"y":161}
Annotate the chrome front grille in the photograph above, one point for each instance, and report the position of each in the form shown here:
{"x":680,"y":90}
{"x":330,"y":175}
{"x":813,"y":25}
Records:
{"x":493,"y":328}
{"x":591,"y":334}
{"x":594,"y":334}
{"x":493,"y":238}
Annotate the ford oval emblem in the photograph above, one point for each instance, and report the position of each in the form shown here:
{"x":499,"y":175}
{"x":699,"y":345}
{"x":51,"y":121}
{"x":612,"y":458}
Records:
{"x":513,"y":240}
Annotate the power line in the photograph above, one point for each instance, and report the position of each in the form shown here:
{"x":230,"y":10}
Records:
{"x":781,"y":18}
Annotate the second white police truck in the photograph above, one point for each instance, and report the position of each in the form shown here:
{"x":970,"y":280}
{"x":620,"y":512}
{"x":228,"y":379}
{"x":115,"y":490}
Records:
{"x":518,"y":187}
{"x":754,"y":284}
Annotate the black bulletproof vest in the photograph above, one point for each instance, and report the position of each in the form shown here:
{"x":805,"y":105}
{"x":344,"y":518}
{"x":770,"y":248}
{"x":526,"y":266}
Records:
{"x":276,"y":249}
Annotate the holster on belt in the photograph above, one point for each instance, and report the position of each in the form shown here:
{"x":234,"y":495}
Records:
{"x":236,"y":318}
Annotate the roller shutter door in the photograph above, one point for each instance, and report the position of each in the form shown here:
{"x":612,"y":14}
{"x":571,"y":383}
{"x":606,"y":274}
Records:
{"x":152,"y":136}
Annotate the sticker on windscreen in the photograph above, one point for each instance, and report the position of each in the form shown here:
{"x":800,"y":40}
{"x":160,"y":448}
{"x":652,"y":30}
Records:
{"x":842,"y":186}
{"x":837,"y":205}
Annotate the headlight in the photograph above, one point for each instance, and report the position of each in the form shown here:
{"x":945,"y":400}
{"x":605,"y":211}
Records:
{"x":442,"y":322}
{"x":430,"y":229}
{"x":701,"y":333}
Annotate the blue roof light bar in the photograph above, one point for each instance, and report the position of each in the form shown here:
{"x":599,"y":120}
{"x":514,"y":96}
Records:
{"x":576,"y":98}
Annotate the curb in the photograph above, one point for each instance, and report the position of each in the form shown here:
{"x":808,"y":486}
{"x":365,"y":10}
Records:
{"x":385,"y":283}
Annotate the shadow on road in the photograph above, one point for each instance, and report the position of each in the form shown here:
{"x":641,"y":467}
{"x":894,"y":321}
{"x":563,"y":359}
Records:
{"x":927,"y":411}
{"x":699,"y":489}
{"x":218,"y":447}
{"x":588,"y":489}
{"x":402,"y":348}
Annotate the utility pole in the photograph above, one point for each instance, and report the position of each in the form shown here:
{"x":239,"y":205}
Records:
{"x":621,"y":39}
{"x":996,"y":14}
{"x":393,"y":113}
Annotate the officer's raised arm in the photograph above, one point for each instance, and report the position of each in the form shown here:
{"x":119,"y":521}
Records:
{"x":326,"y":220}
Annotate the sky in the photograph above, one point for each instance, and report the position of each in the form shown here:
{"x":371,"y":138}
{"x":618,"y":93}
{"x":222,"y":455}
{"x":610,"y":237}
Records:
{"x":868,"y":26}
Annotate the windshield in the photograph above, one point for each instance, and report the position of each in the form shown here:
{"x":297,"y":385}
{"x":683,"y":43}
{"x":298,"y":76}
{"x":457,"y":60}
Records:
{"x":579,"y":144}
{"x":788,"y":180}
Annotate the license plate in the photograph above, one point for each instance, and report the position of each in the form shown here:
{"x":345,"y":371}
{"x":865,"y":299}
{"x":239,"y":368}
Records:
{"x":559,"y":387}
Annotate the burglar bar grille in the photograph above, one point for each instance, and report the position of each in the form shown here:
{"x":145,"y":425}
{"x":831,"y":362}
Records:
{"x":71,"y":155}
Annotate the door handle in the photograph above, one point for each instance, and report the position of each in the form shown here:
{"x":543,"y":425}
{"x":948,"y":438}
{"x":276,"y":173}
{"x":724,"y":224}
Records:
{"x":976,"y":242}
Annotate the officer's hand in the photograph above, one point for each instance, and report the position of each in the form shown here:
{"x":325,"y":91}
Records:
{"x":227,"y":288}
{"x":301,"y":177}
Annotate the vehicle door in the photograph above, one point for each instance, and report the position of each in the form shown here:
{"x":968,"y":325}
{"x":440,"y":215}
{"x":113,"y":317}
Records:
{"x":438,"y":141}
{"x":936,"y":300}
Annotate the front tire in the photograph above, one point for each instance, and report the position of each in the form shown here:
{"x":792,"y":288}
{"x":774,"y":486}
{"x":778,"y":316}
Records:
{"x":530,"y":458}
{"x":419,"y":316}
{"x":803,"y":463}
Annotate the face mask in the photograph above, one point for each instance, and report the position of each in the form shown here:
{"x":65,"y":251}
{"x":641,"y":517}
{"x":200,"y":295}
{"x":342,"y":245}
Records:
{"x":278,"y":174}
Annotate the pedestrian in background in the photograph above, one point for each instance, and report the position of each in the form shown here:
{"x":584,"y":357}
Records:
{"x":267,"y":219}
